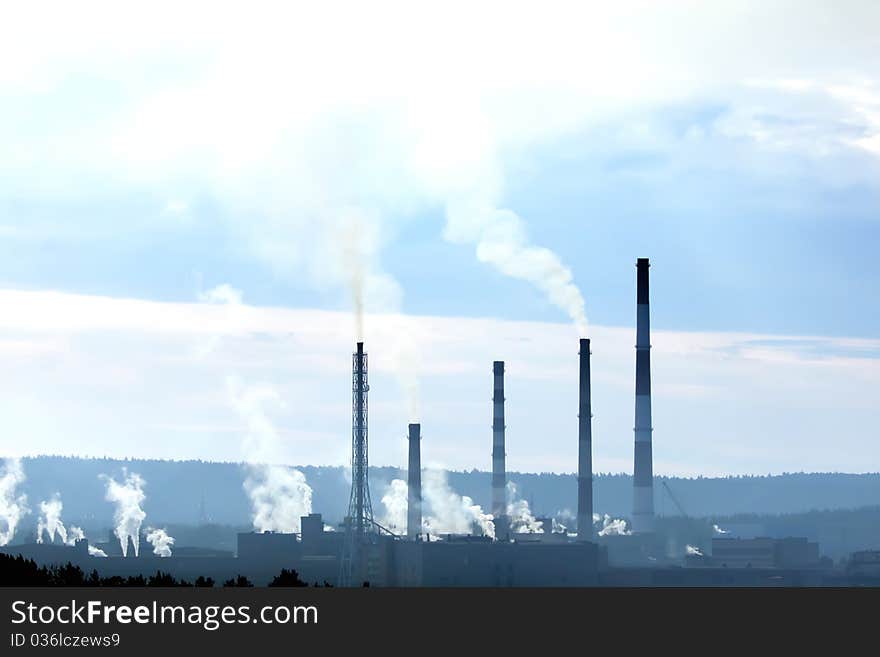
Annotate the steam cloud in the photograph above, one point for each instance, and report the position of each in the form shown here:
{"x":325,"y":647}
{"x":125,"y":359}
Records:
{"x":445,"y":511}
{"x":502,"y":241}
{"x":128,"y":515}
{"x":609,"y":526}
{"x":521,"y":519}
{"x":395,"y":502}
{"x":160,"y":540}
{"x":13,"y":506}
{"x":50,"y":520}
{"x":279,"y":495}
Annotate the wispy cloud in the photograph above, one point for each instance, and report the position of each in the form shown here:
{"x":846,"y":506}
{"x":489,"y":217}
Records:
{"x":123,"y":373}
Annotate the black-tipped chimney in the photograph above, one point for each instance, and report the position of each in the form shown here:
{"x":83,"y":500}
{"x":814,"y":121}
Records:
{"x":585,"y":447}
{"x":414,"y":483}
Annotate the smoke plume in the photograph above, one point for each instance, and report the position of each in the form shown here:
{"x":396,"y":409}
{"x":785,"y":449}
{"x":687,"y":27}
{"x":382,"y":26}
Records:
{"x":13,"y":506}
{"x":160,"y":540}
{"x":395,"y":502}
{"x":502,"y":241}
{"x":279,"y":495}
{"x":520,"y":516}
{"x":128,"y":515}
{"x":449,"y":512}
{"x":608,"y":526}
{"x":446,"y":512}
{"x":50,"y":520}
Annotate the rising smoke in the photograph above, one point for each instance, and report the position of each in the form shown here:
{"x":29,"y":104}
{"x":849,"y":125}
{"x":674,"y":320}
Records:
{"x":160,"y":540}
{"x":396,"y":503}
{"x":50,"y":520}
{"x":50,"y":523}
{"x":520,"y":516}
{"x":502,"y":241}
{"x":279,"y":495}
{"x":128,"y":515}
{"x":444,"y":510}
{"x":608,"y":526}
{"x":13,"y":506}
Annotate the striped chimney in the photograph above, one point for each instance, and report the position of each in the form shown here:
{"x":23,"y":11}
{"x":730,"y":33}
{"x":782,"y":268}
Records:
{"x":585,"y":448}
{"x":643,"y":471}
{"x":414,"y":483}
{"x":499,"y":477}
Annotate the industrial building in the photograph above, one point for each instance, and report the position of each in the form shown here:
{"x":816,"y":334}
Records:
{"x":365,"y":552}
{"x":764,"y":552}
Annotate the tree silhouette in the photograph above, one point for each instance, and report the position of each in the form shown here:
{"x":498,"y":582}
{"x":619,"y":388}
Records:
{"x":287,"y":578}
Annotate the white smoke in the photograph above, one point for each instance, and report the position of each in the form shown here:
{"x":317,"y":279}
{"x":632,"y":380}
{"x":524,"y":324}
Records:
{"x":451,"y":513}
{"x":279,"y":495}
{"x":96,"y":552}
{"x":128,"y":515}
{"x":693,"y":551}
{"x":75,"y":534}
{"x":160,"y":540}
{"x":520,"y":516}
{"x":563,"y":520}
{"x":396,"y":504}
{"x":608,"y":526}
{"x":502,"y":241}
{"x":717,"y":530}
{"x":13,"y":506}
{"x":50,"y":520}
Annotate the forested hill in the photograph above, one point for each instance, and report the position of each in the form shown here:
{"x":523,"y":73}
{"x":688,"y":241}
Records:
{"x":175,"y":490}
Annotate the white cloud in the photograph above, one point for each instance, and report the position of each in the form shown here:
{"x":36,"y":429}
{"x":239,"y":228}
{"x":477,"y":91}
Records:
{"x":124,"y":380}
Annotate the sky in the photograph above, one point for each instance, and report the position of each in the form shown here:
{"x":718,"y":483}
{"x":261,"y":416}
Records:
{"x":200,"y":205}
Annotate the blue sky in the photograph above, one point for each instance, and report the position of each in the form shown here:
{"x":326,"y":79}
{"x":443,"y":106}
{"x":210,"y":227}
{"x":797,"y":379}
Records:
{"x":510,"y":168}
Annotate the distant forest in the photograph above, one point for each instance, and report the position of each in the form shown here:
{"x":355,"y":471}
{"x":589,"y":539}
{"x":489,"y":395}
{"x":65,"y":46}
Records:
{"x":197,"y":492}
{"x":18,"y":571}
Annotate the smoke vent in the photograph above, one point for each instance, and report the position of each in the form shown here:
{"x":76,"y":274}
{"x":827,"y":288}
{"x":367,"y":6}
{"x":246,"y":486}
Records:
{"x":643,"y":469}
{"x":585,"y":448}
{"x":414,"y":483}
{"x":499,"y":477}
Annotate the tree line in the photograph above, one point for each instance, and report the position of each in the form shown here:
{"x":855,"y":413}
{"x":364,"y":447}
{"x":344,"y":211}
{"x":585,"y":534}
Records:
{"x":18,"y":571}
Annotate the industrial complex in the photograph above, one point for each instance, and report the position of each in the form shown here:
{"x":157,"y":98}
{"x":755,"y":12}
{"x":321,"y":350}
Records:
{"x":363,"y":552}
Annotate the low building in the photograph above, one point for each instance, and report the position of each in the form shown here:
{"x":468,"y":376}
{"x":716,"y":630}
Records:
{"x":865,"y":563}
{"x":763,"y":552}
{"x":478,"y":561}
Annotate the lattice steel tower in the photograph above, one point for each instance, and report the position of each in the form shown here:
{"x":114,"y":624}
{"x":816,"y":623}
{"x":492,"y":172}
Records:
{"x":359,"y":522}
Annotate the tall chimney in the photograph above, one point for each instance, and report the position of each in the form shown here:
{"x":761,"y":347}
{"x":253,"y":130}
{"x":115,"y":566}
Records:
{"x":585,"y":449}
{"x":414,"y":483}
{"x":499,"y":478}
{"x":643,"y":470}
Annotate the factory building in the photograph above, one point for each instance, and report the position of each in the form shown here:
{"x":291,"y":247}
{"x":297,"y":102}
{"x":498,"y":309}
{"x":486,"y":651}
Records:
{"x":479,"y":561}
{"x":764,"y":552}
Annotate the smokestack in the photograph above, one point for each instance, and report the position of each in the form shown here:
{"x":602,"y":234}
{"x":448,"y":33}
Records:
{"x":414,"y":483}
{"x":499,"y":478}
{"x":643,"y":470}
{"x":585,"y":448}
{"x":360,"y":509}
